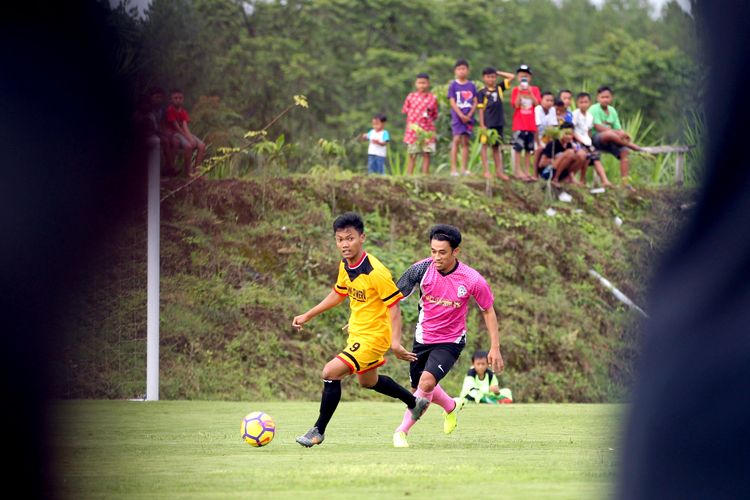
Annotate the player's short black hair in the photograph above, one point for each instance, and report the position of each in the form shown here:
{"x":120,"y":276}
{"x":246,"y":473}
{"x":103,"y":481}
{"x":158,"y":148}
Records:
{"x":583,"y":94}
{"x":461,"y":62}
{"x":176,"y":90}
{"x":559,"y":102}
{"x":604,"y":88}
{"x":547,"y":92}
{"x":423,"y":75}
{"x":349,"y":219}
{"x":444,"y":232}
{"x":566,"y":125}
{"x":560,"y":93}
{"x":478,"y":355}
{"x":381,"y":117}
{"x":489,"y":70}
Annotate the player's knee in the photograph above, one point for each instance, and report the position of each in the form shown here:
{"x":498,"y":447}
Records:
{"x":427,"y":385}
{"x":427,"y":382}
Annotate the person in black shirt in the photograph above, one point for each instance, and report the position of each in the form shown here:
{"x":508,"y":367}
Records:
{"x":559,"y":159}
{"x":492,"y":116}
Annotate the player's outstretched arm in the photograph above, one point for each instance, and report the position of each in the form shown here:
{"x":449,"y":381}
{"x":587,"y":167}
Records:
{"x":399,"y":350}
{"x":493,"y":356}
{"x":412,"y":277}
{"x":332,"y":300}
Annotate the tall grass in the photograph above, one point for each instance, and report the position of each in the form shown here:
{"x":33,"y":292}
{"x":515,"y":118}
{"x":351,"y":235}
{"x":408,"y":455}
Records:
{"x":397,"y":160}
{"x":643,"y":168}
{"x":694,"y":134}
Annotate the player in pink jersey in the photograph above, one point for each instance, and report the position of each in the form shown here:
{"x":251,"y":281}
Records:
{"x":445,"y":287}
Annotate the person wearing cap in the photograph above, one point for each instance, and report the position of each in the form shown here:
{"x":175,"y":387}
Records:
{"x":523,"y":98}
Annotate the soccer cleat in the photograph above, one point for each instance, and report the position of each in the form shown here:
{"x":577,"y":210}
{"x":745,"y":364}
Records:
{"x":450,"y":420}
{"x":311,"y":437}
{"x":399,"y":440}
{"x":419,"y":408}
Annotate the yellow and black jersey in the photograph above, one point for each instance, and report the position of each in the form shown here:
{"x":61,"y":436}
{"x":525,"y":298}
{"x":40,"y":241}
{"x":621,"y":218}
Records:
{"x":371,"y":291}
{"x":491,"y":101}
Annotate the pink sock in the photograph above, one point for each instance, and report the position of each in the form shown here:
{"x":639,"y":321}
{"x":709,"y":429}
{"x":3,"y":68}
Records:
{"x":441,"y":397}
{"x":407,"y":422}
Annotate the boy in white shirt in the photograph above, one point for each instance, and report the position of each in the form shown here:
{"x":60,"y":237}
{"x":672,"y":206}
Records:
{"x":378,"y":148}
{"x":545,"y":115}
{"x":583,"y":122}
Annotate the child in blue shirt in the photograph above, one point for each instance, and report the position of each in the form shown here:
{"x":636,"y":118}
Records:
{"x":378,"y":148}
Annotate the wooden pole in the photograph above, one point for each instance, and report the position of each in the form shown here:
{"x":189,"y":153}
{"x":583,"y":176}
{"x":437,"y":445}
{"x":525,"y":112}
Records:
{"x":679,"y":169}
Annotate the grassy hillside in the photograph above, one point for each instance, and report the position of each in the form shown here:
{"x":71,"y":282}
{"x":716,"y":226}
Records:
{"x":241,"y":258}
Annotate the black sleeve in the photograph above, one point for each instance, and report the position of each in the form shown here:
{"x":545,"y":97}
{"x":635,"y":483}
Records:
{"x":412,"y":277}
{"x":481,"y":97}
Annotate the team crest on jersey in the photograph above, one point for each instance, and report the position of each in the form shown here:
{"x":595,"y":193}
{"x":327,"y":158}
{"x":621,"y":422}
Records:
{"x":461,"y":291}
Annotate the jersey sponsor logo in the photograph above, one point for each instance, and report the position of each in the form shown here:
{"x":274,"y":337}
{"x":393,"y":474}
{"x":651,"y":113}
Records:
{"x":441,"y":301}
{"x":461,"y":292}
{"x":358,"y":295}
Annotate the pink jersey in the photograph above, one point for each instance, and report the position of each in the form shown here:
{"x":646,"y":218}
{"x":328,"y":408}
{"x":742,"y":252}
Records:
{"x":444,"y":299}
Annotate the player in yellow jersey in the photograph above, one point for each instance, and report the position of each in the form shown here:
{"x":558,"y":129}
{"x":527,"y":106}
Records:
{"x":373,"y":299}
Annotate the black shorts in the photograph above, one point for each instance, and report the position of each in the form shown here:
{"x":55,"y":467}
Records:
{"x":548,"y":172}
{"x":436,"y":359}
{"x":523,"y":140}
{"x":608,"y":147}
{"x":591,"y":154}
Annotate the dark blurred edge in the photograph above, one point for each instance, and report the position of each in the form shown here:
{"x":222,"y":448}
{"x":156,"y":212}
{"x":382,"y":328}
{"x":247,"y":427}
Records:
{"x":71,"y":170}
{"x":687,"y":434}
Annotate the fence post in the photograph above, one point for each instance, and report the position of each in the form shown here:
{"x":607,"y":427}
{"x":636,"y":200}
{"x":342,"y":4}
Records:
{"x":152,"y":281}
{"x":679,"y":169}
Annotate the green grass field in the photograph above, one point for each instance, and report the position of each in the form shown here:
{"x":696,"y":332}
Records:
{"x":180,"y":449}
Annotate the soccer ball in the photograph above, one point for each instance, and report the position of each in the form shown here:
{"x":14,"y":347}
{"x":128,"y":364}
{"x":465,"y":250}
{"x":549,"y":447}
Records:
{"x":258,"y":429}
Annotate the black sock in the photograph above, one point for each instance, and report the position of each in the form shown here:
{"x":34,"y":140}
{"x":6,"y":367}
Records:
{"x":386,"y":385}
{"x":328,"y":403}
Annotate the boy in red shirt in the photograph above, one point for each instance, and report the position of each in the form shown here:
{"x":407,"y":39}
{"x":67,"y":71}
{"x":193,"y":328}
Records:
{"x":421,"y":110}
{"x":524,"y":98}
{"x":177,"y":123}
